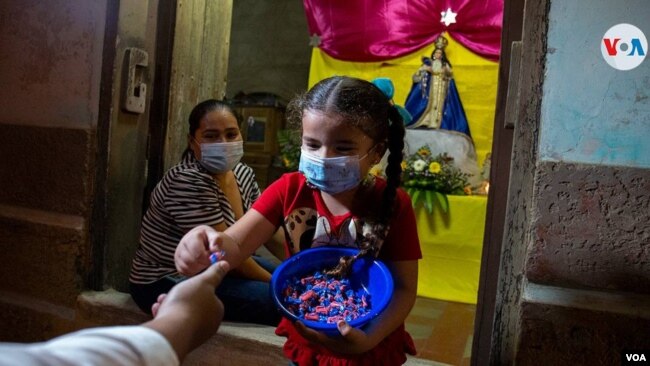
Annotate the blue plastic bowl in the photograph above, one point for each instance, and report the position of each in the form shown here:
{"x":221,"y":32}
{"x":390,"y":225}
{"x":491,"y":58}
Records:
{"x":370,"y":275}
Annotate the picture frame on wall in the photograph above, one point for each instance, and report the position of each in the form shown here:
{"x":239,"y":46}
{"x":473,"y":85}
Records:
{"x":259,"y":129}
{"x":254,"y":133}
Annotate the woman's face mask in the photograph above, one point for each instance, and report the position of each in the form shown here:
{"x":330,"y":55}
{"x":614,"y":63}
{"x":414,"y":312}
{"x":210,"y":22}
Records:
{"x":220,"y":157}
{"x":331,"y":175}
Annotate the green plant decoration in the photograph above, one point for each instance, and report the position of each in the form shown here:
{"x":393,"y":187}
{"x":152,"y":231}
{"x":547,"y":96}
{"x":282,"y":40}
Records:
{"x":289,"y":142}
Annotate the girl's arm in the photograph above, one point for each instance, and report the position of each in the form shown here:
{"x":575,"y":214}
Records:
{"x":249,"y":269}
{"x":238,"y":242}
{"x":354,"y":341}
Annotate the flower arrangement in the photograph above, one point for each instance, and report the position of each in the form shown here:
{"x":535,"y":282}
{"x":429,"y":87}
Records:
{"x":429,"y":178}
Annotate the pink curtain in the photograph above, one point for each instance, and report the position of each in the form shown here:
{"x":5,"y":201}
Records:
{"x":376,"y":30}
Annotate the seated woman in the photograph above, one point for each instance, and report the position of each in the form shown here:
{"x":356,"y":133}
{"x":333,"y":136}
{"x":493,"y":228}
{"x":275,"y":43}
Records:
{"x":210,"y":186}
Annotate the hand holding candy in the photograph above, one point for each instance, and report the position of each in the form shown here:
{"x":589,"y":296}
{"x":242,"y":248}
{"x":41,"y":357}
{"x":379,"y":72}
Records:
{"x":199,"y":244}
{"x":192,"y":254}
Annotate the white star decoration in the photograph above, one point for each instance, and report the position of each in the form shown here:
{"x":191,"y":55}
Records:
{"x":448,"y":17}
{"x":314,"y":40}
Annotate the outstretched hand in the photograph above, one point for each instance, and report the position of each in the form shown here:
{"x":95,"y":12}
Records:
{"x":191,"y":312}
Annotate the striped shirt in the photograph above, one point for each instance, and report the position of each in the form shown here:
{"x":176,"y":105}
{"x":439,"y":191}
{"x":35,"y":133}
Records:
{"x":186,"y":197}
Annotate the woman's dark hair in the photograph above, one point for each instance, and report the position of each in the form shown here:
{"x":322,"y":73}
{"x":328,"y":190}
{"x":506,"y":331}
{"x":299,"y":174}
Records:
{"x":364,"y":106}
{"x":205,"y":107}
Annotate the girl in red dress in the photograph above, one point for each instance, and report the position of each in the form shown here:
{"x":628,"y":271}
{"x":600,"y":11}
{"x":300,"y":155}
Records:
{"x":347,"y":126}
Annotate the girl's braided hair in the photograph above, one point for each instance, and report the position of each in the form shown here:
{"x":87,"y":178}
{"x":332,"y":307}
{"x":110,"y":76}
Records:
{"x":364,"y":106}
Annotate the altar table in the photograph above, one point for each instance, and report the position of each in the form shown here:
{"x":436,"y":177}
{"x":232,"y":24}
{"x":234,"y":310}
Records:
{"x":451,"y":249}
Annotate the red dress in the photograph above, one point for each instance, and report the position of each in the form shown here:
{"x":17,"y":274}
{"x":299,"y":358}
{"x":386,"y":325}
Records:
{"x":291,"y":202}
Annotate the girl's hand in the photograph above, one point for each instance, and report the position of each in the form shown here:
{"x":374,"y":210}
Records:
{"x":193,"y":251}
{"x":352,"y":340}
{"x":192,"y":254}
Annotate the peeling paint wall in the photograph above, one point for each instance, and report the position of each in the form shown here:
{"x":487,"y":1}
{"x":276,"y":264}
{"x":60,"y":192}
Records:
{"x":51,"y":53}
{"x":593,"y":113}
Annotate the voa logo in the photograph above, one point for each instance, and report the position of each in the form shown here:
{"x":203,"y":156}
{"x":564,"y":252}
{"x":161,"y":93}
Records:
{"x":635,"y":357}
{"x":624,"y":46}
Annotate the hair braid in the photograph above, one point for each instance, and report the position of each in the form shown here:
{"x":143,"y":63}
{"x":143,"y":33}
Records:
{"x":394,"y":168}
{"x":375,"y":232}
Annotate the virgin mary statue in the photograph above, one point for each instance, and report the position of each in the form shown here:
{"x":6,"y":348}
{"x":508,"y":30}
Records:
{"x":433,"y":101}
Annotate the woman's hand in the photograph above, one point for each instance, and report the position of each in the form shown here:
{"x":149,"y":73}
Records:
{"x":352,"y":340}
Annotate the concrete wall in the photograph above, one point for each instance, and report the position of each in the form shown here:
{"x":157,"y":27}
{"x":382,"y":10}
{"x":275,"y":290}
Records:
{"x":51,"y":52}
{"x":269,"y":48}
{"x":520,"y":191}
{"x":50,"y":70}
{"x":575,"y":261}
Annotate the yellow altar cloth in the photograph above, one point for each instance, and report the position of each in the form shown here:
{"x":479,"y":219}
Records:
{"x":451,"y":249}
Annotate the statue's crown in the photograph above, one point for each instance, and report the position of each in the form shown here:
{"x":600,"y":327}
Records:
{"x":441,"y":42}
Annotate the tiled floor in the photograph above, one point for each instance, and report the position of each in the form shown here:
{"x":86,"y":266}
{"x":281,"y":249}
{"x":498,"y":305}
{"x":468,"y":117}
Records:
{"x":442,"y":330}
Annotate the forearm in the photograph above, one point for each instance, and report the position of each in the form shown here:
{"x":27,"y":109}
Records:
{"x":179,"y":330}
{"x":190,"y":313}
{"x":249,"y":269}
{"x":247,"y":234}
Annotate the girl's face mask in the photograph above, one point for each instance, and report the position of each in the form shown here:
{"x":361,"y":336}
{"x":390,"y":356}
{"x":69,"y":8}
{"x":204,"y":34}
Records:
{"x":331,"y":175}
{"x":220,"y":157}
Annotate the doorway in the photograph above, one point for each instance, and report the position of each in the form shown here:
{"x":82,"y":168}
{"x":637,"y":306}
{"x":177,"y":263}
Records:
{"x":155,"y":158}
{"x":137,"y":147}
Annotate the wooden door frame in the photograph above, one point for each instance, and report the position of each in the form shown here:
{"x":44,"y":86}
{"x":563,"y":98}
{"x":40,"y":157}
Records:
{"x":482,"y":347}
{"x":98,"y":224}
{"x":159,"y":114}
{"x":109,"y":176}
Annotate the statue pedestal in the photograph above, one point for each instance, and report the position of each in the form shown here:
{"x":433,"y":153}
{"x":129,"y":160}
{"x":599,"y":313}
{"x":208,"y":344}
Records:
{"x":457,"y":145}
